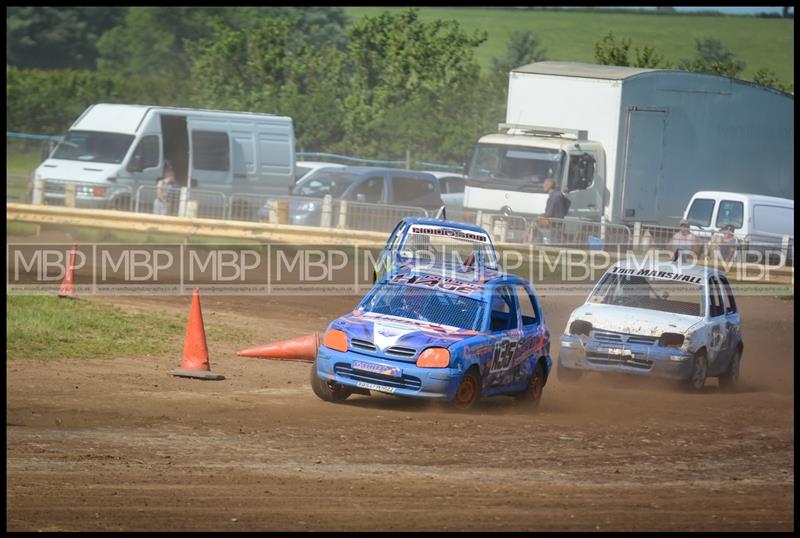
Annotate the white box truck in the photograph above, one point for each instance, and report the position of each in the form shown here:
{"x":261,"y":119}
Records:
{"x":112,"y":149}
{"x":631,"y":144}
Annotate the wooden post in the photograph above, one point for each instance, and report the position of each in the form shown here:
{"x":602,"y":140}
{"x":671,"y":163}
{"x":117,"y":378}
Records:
{"x":38,"y":192}
{"x":182,"y":202}
{"x":327,"y":210}
{"x":342,"y":214}
{"x":637,"y":233}
{"x":69,"y":195}
{"x":408,"y":158}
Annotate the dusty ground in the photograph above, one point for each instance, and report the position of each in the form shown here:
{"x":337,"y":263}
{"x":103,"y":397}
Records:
{"x":119,"y":444}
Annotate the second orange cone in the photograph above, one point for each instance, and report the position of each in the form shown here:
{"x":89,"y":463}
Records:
{"x":298,"y":349}
{"x":195,"y":351}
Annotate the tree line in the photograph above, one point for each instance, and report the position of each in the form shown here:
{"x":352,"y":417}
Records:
{"x":379,"y":87}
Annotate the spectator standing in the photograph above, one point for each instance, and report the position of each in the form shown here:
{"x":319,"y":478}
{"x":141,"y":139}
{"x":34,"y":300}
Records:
{"x":163,"y":186}
{"x":684,"y":241}
{"x":556,"y":207}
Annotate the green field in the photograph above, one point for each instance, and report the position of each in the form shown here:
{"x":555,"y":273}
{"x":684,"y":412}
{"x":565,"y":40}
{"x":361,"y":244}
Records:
{"x":567,"y":36}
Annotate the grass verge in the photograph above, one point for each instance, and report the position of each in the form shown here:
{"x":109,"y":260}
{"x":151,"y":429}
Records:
{"x":47,"y":327}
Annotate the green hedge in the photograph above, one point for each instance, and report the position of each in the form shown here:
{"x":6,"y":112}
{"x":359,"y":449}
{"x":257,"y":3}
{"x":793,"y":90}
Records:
{"x":47,"y":102}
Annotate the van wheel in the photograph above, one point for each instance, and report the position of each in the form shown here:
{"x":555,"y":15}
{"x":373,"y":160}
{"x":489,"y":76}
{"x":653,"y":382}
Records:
{"x":729,"y":380}
{"x":328,"y":390}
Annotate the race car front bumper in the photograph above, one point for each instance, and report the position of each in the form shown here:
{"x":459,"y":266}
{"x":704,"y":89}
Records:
{"x":579,"y":353}
{"x":411,"y":380}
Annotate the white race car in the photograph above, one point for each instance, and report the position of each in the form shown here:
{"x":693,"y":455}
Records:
{"x":661,"y":319}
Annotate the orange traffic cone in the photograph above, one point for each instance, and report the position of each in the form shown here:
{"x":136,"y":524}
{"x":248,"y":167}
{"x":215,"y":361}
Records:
{"x":298,"y":349}
{"x":67,"y":290}
{"x":195,"y":351}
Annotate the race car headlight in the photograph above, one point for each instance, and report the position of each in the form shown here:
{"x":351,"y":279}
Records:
{"x":671,"y":340}
{"x":335,"y":339}
{"x":434,"y":357}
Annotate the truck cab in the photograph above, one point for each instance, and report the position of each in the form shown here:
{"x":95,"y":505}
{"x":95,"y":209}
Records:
{"x":507,"y":171}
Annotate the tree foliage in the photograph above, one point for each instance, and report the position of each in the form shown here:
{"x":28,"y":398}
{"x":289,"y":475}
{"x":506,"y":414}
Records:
{"x":61,"y":37}
{"x":404,"y":68}
{"x":153,"y":41}
{"x":609,"y":51}
{"x":711,"y":56}
{"x":767,"y":77}
{"x":522,"y":48}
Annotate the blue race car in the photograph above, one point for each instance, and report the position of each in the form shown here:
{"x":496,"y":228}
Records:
{"x":442,"y":331}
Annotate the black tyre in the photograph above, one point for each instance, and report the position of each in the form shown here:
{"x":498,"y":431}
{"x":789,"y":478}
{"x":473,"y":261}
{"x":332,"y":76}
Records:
{"x":567,"y":375}
{"x":328,"y":390}
{"x":533,"y":394}
{"x":697,"y":379}
{"x":729,"y":380}
{"x":468,"y":391}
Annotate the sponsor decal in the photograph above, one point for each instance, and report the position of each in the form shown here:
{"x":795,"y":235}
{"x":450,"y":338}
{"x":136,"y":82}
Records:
{"x":381,"y":369}
{"x":652,"y":273}
{"x":436,"y":282}
{"x":386,"y":335}
{"x":449,"y":232}
{"x":373,"y":386}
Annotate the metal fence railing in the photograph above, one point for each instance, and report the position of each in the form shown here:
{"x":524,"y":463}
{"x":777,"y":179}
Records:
{"x":580,"y":234}
{"x":182,"y":202}
{"x":372,"y":217}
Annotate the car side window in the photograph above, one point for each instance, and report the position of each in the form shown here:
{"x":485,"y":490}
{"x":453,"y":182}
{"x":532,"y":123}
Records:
{"x":452,"y":184}
{"x":504,"y":313}
{"x":411,"y":190}
{"x":716,"y":307}
{"x":730,"y":302}
{"x":527,"y":309}
{"x":369,"y":191}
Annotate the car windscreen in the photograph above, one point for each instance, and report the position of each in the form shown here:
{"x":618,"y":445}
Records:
{"x":93,"y":147}
{"x":434,"y":245}
{"x":323,"y":182}
{"x":424,"y":304}
{"x":663,"y":295}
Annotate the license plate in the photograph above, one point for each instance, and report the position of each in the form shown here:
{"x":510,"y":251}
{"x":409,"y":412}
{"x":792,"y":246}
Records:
{"x":373,"y":386}
{"x":381,"y":369}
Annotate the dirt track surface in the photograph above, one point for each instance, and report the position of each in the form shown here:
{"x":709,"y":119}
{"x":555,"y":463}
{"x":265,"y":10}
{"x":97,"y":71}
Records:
{"x":119,"y":444}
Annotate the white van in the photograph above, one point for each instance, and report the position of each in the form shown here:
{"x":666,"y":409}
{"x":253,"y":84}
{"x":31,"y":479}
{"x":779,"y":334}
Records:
{"x":111,"y":150}
{"x":759,"y":221}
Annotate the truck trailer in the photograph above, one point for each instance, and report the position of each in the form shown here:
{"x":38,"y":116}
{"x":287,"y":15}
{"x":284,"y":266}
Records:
{"x":629,"y":144}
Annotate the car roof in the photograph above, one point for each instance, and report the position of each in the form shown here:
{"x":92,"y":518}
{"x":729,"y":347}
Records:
{"x":743,"y":196}
{"x":363,"y":170}
{"x":700,"y":271}
{"x":440,"y":175}
{"x":318,"y":164}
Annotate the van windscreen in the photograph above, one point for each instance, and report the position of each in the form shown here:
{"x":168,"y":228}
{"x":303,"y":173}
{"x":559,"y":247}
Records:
{"x":93,"y":147}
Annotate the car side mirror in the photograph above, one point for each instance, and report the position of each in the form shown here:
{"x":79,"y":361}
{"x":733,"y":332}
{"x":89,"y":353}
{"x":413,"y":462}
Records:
{"x":136,"y":164}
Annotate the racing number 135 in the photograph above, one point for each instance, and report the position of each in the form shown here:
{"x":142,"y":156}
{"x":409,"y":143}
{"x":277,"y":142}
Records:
{"x":503,"y":353}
